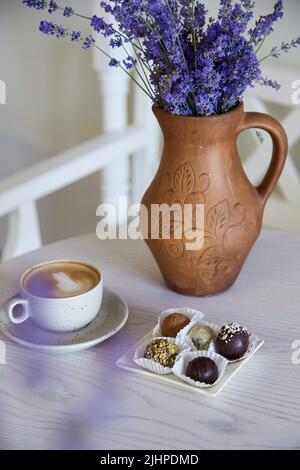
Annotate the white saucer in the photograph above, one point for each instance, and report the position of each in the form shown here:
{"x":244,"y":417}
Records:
{"x":111,"y":318}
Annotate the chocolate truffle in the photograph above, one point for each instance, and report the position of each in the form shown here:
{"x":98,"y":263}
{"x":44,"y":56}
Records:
{"x":162,"y":351}
{"x":202,"y":337}
{"x":173,"y":323}
{"x":232,"y":341}
{"x":203,"y":369}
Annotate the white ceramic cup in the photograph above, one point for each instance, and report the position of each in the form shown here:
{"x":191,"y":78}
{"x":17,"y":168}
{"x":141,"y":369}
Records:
{"x":56,"y":314}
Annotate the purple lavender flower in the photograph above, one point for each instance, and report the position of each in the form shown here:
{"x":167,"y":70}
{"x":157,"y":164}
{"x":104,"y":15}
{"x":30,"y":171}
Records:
{"x":285,"y":47}
{"x":191,"y":64}
{"x":88,"y":42}
{"x":61,"y":32}
{"x":37,"y":4}
{"x":52,"y":7}
{"x":51,"y":29}
{"x":50,"y":4}
{"x":68,"y":11}
{"x":47,"y":27}
{"x":265,"y":25}
{"x":114,"y":63}
{"x":270,"y":83}
{"x":100,"y":25}
{"x":116,"y":42}
{"x":76,"y":36}
{"x":129,"y":63}
{"x":194,"y":14}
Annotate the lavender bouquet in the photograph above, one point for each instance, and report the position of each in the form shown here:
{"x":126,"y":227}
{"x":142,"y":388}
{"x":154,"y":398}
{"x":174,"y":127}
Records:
{"x":186,"y":62}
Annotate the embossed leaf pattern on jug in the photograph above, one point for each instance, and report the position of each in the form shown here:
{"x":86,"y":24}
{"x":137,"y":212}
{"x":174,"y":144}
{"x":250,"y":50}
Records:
{"x":220,"y":219}
{"x":184,"y":180}
{"x":217,"y":257}
{"x":185,"y":190}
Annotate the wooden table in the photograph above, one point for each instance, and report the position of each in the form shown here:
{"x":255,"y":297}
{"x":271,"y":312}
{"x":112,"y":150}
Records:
{"x":83,"y":401}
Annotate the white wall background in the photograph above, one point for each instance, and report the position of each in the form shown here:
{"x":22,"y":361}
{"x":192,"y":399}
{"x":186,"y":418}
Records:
{"x":52,"y":104}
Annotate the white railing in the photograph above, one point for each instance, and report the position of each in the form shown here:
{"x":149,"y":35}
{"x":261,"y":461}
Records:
{"x":19,"y":193}
{"x":283,"y":208}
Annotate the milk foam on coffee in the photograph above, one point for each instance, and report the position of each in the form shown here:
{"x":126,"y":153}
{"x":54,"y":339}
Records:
{"x":65,"y":284}
{"x":61,"y":279}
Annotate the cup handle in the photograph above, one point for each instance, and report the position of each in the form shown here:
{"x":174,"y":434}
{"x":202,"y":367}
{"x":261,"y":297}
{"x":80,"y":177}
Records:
{"x":280,"y":149}
{"x":24,"y":311}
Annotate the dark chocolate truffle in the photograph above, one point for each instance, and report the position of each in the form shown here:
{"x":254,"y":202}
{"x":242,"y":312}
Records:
{"x":232,"y":341}
{"x":173,"y":323}
{"x":162,"y":351}
{"x":203,"y":369}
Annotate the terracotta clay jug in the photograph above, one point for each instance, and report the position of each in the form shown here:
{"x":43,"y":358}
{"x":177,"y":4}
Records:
{"x":201,"y":165}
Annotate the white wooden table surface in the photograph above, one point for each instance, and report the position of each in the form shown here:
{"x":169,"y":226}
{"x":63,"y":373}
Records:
{"x":83,"y":401}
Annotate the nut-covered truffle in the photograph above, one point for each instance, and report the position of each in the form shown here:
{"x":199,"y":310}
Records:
{"x":203,"y":369}
{"x":162,"y":351}
{"x":173,"y":323}
{"x":202,"y":337}
{"x":232,"y":341}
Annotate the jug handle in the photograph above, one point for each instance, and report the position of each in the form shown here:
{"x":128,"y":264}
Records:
{"x":280,"y":149}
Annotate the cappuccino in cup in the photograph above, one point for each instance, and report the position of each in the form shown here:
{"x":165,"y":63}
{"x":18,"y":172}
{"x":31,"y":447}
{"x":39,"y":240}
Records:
{"x":61,"y":279}
{"x":61,"y":296}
